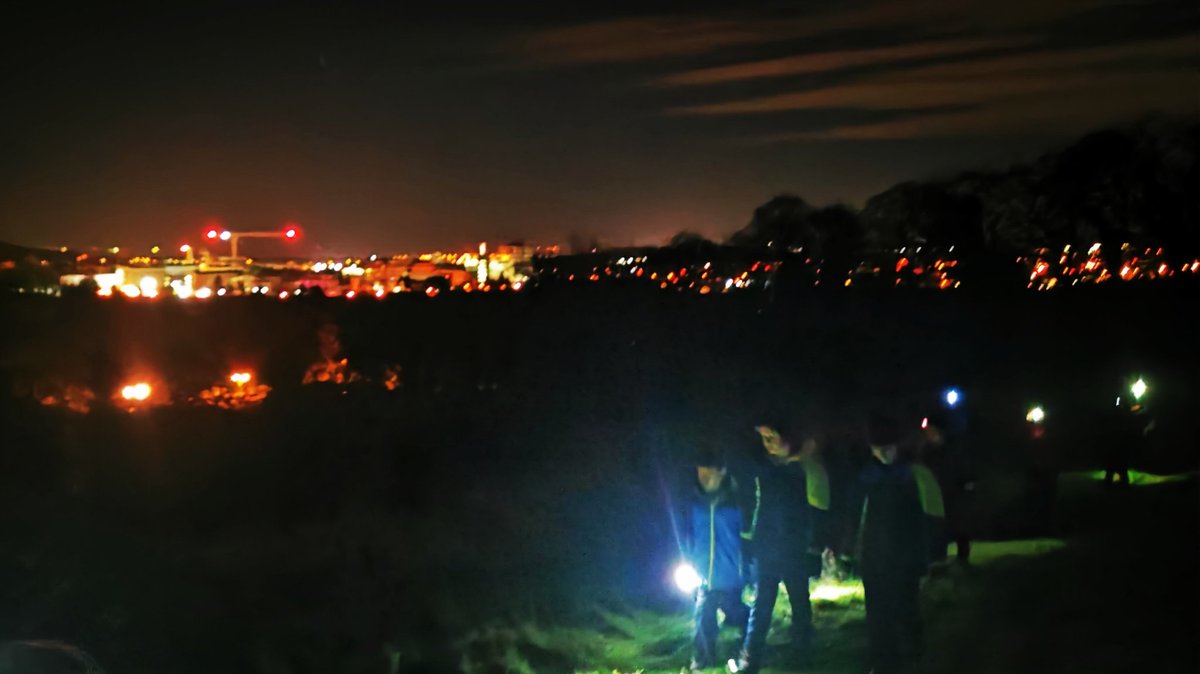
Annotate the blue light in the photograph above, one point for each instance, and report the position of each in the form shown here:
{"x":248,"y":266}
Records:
{"x":952,"y":397}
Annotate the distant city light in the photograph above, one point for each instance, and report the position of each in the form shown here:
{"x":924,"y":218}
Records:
{"x":184,"y":248}
{"x":138,"y":392}
{"x":203,"y":293}
{"x":226,"y":235}
{"x":1139,"y":388}
{"x":1036,"y":415}
{"x":241,"y":378}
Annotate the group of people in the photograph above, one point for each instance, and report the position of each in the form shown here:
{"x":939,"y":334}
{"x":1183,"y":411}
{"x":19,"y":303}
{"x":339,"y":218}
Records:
{"x":774,"y":516}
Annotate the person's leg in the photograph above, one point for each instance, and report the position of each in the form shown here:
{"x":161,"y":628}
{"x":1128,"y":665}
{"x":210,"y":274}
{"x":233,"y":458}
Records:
{"x":963,"y":541}
{"x":736,"y":613}
{"x":705,"y":629}
{"x":759,"y":622}
{"x":957,"y":522}
{"x":878,"y":637}
{"x":908,"y":618}
{"x":1111,"y":461}
{"x":795,"y":578}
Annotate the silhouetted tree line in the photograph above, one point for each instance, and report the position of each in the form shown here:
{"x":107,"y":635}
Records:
{"x":1139,"y":185}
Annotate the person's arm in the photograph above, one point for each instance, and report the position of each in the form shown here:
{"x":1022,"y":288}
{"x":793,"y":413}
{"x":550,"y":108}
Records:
{"x":929,"y":492}
{"x":852,"y":516}
{"x":752,"y":509}
{"x":816,"y":482}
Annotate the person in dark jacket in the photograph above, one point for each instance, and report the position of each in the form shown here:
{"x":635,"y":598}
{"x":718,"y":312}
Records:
{"x":892,"y":550}
{"x":1130,"y":425}
{"x":779,"y":536}
{"x":713,"y":527}
{"x":944,"y":450}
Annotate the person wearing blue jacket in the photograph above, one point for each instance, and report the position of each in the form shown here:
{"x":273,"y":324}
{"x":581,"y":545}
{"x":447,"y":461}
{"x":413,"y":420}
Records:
{"x":713,"y":547}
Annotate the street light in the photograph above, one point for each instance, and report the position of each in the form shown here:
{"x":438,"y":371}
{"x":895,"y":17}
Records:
{"x":1138,"y":389}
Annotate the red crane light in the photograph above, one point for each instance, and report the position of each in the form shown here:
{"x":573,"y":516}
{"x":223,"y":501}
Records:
{"x":290,"y":232}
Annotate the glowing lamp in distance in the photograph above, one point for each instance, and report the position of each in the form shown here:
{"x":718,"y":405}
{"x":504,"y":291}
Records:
{"x":686,"y":578}
{"x":1139,"y":388}
{"x":211,"y":234}
{"x":1036,"y":415}
{"x":241,"y":378}
{"x":953,"y":396}
{"x":226,"y":235}
{"x":290,"y":233}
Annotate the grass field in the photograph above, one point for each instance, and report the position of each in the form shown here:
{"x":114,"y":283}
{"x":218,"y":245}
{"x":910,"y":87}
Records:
{"x":1116,"y":593}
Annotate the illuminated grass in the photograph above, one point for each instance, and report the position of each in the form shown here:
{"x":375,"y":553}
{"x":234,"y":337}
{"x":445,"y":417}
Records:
{"x":1137,"y":478}
{"x":642,"y":642}
{"x":842,"y":593}
{"x":984,"y":552}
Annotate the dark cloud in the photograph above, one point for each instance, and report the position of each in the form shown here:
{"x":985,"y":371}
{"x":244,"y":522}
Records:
{"x":836,"y":60}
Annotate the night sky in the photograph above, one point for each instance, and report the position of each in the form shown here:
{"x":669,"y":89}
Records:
{"x":397,"y":126}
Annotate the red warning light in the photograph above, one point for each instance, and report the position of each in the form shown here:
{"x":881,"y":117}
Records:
{"x":212,"y":234}
{"x":290,"y":232}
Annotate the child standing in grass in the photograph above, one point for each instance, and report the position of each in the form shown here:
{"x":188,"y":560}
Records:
{"x":713,"y":547}
{"x":892,"y":550}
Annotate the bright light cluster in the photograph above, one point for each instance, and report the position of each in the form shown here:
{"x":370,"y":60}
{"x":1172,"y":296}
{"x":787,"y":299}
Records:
{"x":139,"y":392}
